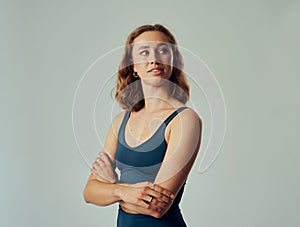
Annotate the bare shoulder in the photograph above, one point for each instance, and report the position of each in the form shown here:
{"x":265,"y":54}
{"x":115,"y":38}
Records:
{"x":117,"y":121}
{"x":190,"y":113}
{"x":188,"y":117}
{"x":111,"y":141}
{"x":187,"y":121}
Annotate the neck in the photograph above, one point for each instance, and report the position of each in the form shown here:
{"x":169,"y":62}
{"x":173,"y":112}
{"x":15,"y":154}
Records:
{"x":156,"y":97}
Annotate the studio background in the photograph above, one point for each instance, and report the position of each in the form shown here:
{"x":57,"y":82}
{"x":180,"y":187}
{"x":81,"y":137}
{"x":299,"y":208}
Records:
{"x":252,"y":47}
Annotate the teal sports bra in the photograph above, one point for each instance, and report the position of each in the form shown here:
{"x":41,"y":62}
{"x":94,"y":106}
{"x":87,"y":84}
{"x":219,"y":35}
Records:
{"x":142,"y":162}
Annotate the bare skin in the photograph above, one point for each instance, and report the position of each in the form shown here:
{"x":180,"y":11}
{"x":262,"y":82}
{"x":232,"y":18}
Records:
{"x":183,"y":136}
{"x":101,"y":192}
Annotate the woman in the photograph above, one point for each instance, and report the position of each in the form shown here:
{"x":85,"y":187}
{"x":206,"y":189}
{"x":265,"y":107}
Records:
{"x":154,"y":142}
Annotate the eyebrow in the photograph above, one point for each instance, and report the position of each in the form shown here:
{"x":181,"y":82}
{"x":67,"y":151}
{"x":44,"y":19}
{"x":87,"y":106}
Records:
{"x":145,"y":47}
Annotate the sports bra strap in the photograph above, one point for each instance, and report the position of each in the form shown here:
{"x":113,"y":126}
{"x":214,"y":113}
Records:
{"x":167,"y":121}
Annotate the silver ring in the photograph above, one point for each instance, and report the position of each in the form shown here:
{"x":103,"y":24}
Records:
{"x":150,"y":199}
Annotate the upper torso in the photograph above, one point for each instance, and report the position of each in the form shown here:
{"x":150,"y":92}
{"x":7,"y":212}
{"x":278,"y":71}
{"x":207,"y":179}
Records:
{"x":141,"y":162}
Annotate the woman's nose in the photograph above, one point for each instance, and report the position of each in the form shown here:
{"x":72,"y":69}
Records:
{"x":153,"y":57}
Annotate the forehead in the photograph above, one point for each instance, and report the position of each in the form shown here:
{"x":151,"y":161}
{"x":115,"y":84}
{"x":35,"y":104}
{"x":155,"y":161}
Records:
{"x":151,"y":38}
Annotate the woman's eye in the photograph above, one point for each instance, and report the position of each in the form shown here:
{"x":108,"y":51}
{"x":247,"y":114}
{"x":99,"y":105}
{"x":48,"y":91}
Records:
{"x":164,"y":51}
{"x":144,"y":52}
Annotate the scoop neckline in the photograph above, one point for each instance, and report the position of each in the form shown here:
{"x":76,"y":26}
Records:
{"x":149,"y":138}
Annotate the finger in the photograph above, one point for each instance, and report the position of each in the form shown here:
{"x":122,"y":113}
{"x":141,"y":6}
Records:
{"x":106,"y":160}
{"x":158,"y":204}
{"x":148,"y":195}
{"x":148,"y":198}
{"x":96,"y":175}
{"x":168,"y":193}
{"x":140,"y":201}
{"x":101,"y":177}
{"x":162,"y":190}
{"x":107,"y":168}
{"x":100,"y":164}
{"x":93,"y":165}
{"x":143,"y":203}
{"x":105,"y":171}
{"x":96,"y":166}
{"x":159,"y":196}
{"x":97,"y":161}
{"x":111,"y":158}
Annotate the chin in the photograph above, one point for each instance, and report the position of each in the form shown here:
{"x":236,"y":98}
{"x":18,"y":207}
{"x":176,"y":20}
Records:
{"x":155,"y":81}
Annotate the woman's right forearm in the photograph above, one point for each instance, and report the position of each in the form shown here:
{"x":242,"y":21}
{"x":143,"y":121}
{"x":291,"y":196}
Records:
{"x":102,"y":194}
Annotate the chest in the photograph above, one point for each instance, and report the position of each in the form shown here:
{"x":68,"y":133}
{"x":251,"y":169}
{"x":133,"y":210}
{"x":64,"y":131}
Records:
{"x":138,"y":131}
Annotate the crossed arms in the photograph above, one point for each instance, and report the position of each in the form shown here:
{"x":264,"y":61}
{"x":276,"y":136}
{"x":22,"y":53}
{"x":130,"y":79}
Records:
{"x":145,"y":197}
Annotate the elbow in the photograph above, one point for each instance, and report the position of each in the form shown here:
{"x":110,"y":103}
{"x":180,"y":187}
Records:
{"x":90,"y":198}
{"x":86,"y":195}
{"x":159,"y":214}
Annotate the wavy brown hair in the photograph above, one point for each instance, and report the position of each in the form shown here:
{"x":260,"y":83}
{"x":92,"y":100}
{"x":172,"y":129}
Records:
{"x":131,"y":97}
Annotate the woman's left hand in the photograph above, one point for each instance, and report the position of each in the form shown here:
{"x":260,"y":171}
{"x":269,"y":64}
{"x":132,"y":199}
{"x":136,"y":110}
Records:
{"x":157,"y":207}
{"x":104,"y":168}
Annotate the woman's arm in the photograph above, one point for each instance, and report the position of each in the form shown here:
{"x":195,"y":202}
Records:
{"x":104,"y":193}
{"x":104,"y":168}
{"x":101,"y":193}
{"x":183,"y":146}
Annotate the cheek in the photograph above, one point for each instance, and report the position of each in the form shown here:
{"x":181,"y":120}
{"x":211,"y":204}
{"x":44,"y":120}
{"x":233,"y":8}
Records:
{"x":167,"y":60}
{"x":169,"y":70}
{"x":139,"y":59}
{"x":139,"y":67}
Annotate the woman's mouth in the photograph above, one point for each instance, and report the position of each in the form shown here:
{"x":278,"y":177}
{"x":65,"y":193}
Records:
{"x":156,"y":71}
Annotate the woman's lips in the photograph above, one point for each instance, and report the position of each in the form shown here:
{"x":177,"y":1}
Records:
{"x":156,"y":72}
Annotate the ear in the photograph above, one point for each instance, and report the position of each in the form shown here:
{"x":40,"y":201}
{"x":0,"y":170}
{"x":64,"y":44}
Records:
{"x":134,"y":67}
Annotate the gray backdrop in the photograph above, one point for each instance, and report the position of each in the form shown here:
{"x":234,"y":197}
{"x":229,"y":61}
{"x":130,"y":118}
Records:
{"x":252,"y":47}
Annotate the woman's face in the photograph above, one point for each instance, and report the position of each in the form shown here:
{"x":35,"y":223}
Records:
{"x":152,"y":55}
